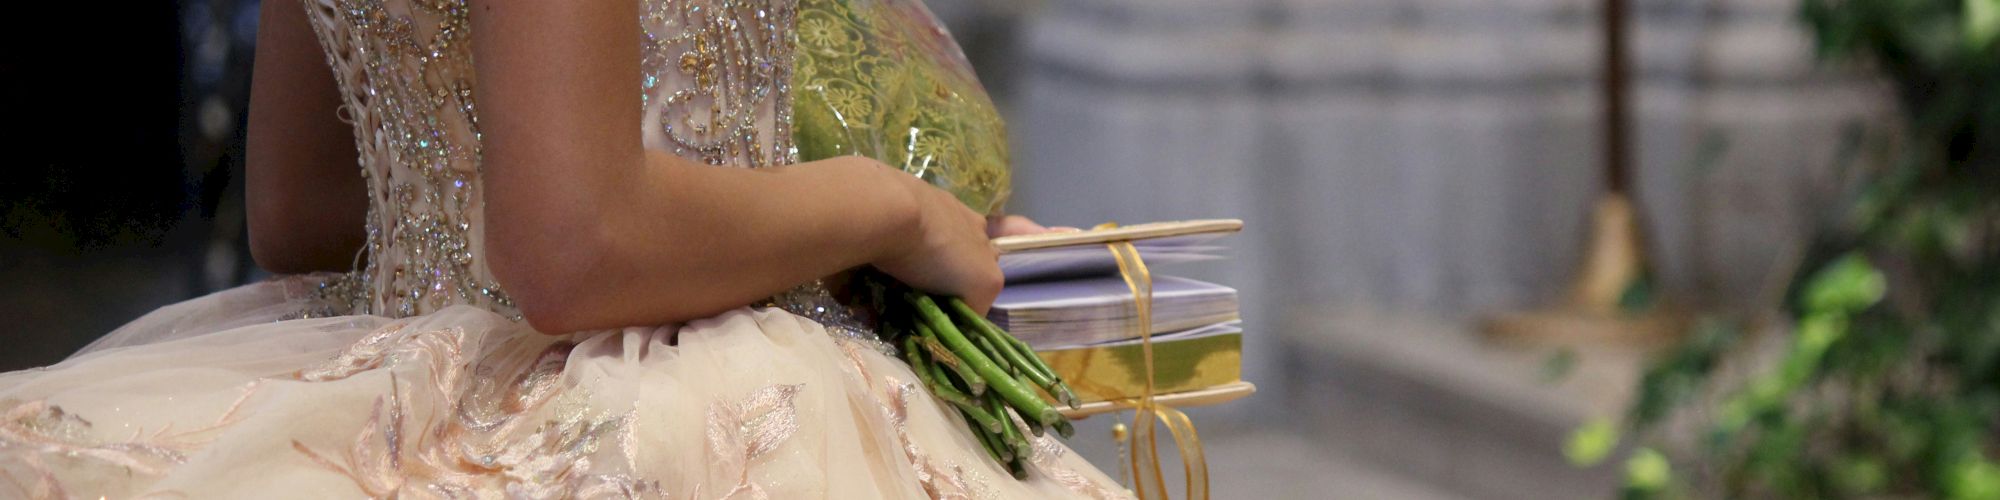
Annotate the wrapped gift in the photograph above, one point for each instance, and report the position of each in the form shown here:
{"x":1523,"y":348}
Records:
{"x":1095,"y":309}
{"x":1125,"y":349}
{"x":1068,"y":299}
{"x":1192,"y":360}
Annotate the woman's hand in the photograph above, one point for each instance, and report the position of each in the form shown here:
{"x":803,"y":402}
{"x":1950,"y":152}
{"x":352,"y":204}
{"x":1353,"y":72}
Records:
{"x":1015,"y":225}
{"x":952,"y":252}
{"x":948,"y":252}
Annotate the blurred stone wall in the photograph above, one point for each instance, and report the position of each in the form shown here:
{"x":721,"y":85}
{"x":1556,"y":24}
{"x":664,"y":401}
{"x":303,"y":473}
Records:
{"x":1433,"y":156}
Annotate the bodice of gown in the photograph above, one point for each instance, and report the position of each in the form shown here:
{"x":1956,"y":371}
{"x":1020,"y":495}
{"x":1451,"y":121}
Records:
{"x":717,"y":86}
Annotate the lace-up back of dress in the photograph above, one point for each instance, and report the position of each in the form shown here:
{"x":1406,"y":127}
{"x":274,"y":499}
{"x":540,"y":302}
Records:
{"x":716,"y":75}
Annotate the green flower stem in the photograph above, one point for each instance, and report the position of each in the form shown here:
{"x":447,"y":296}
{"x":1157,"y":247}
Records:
{"x":1018,"y":467}
{"x":974,"y":413}
{"x":1008,"y":430}
{"x":994,"y":448}
{"x":1003,"y":344}
{"x":1033,"y":359}
{"x":1035,"y":427}
{"x":1016,"y":353}
{"x":1063,"y":428}
{"x":943,"y":389}
{"x":945,"y":377}
{"x":1019,"y":396}
{"x":987,"y":347}
{"x":939,"y":354}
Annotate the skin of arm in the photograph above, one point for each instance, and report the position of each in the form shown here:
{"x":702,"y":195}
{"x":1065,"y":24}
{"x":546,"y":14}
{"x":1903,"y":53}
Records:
{"x":588,"y":229}
{"x":305,"y":194}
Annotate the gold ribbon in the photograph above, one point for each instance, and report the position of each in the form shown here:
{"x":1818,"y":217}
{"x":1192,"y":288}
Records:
{"x":1147,"y":481}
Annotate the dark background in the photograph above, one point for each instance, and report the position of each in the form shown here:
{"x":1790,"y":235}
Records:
{"x":121,"y":191}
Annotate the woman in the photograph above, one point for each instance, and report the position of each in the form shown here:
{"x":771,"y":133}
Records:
{"x":514,"y":218}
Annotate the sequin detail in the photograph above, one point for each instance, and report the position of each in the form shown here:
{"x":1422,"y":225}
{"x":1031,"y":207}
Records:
{"x":815,"y":301}
{"x":720,"y":70}
{"x":407,"y":83}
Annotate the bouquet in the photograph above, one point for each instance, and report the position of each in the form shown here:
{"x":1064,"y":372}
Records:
{"x":992,"y":378}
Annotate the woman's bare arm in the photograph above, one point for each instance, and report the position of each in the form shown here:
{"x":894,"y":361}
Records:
{"x":306,"y":197}
{"x":587,"y":229}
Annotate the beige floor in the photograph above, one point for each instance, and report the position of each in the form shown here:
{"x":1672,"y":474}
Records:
{"x":1268,"y":461}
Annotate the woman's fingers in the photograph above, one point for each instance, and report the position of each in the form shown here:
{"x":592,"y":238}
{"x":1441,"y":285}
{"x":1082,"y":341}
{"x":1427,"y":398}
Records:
{"x":1011,"y":225}
{"x":1015,"y":225}
{"x":952,"y":254}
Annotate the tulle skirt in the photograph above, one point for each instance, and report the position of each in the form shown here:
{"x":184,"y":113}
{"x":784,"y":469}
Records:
{"x":218,"y":397}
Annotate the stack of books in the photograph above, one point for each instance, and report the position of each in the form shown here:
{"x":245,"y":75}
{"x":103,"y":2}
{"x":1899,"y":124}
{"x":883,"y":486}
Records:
{"x":1066,"y":298}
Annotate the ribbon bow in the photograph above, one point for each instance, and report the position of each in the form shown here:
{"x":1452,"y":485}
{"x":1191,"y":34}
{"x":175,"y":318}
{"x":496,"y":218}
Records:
{"x":1145,"y":453}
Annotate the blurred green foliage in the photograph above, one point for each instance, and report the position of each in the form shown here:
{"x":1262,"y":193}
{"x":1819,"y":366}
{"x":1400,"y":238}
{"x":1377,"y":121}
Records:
{"x":1889,"y":381}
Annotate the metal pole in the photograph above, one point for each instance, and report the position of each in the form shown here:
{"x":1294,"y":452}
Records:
{"x":1617,"y":139}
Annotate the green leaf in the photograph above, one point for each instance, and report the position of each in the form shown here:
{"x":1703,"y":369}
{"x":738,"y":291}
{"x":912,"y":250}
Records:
{"x":1589,"y":444}
{"x":1639,"y":295}
{"x":1848,"y":284}
{"x":1975,"y":478}
{"x":1982,"y":22}
{"x":1647,"y":470}
{"x":1858,"y":475}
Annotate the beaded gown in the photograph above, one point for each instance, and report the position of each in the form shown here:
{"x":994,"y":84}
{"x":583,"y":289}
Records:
{"x":413,"y":375}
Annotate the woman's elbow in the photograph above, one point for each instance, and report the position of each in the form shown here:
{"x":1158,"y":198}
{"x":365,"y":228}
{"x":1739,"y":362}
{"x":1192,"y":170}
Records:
{"x":549,"y":278}
{"x":551,"y":318}
{"x":544,"y":297}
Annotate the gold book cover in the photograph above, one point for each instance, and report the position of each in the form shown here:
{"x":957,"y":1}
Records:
{"x":1184,"y":361}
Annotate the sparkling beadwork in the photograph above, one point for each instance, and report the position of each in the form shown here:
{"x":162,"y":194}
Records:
{"x":719,"y":71}
{"x":407,"y":83}
{"x":733,"y":59}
